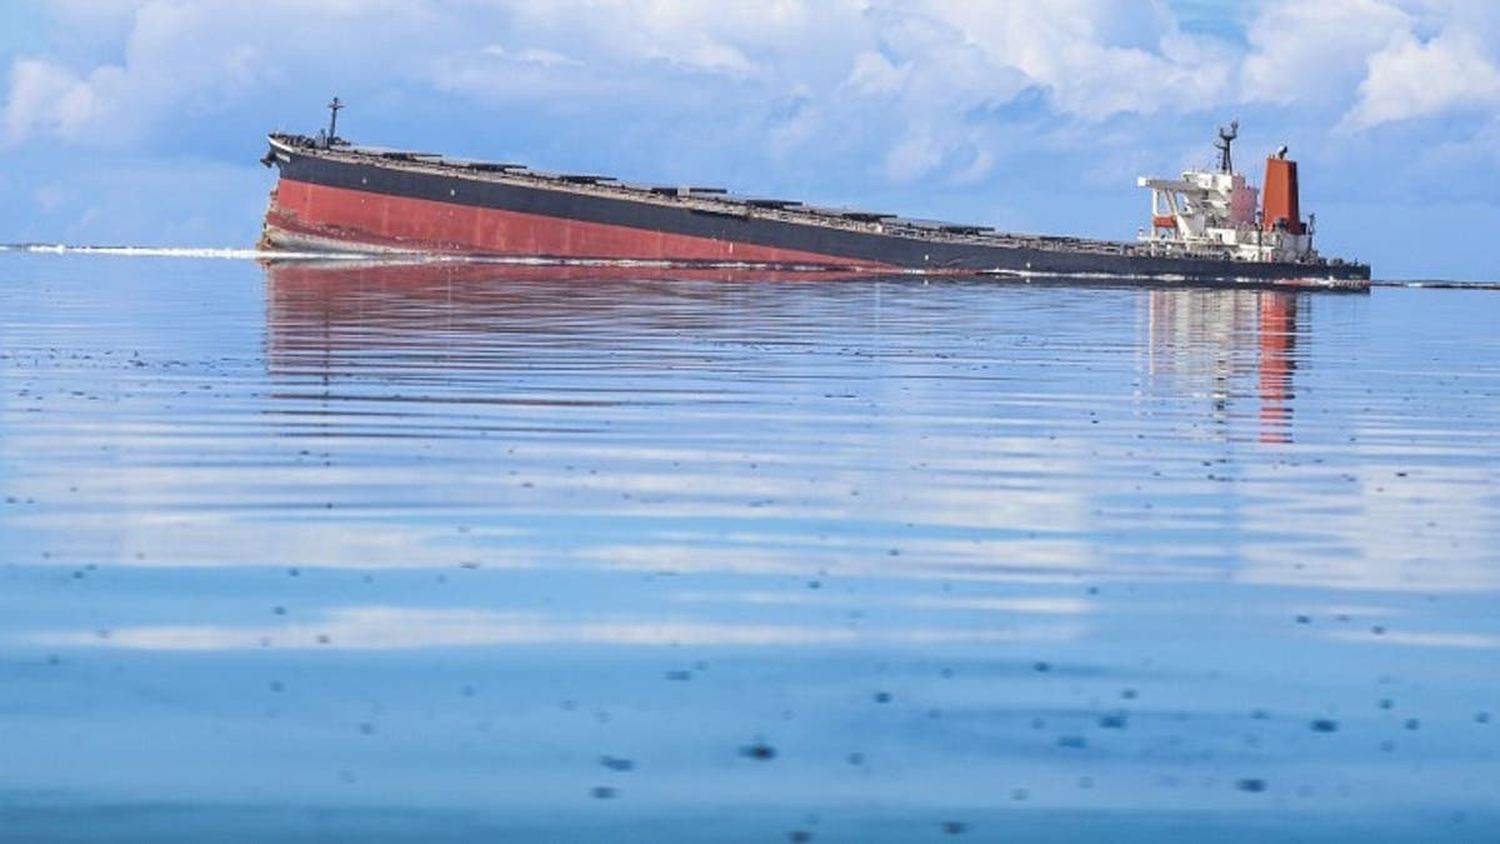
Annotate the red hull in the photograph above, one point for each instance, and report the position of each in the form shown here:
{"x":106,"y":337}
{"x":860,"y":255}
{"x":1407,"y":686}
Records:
{"x":303,"y":214}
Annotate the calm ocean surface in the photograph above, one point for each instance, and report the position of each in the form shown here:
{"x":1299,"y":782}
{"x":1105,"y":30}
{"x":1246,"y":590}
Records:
{"x":449,"y":553}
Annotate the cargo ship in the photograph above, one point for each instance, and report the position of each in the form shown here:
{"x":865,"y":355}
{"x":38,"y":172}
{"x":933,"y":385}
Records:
{"x":1208,"y":226}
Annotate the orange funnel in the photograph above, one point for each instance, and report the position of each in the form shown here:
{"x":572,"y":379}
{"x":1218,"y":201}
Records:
{"x":1279,"y":201}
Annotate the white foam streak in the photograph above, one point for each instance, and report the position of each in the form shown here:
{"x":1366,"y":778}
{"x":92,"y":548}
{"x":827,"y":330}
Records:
{"x":218,"y":252}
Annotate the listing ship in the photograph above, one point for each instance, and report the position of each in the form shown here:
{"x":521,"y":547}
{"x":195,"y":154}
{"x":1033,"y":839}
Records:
{"x":332,"y":195}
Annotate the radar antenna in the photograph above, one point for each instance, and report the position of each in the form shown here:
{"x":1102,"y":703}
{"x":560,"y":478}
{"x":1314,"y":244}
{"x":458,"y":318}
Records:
{"x":333,"y":120}
{"x":1225,"y":141}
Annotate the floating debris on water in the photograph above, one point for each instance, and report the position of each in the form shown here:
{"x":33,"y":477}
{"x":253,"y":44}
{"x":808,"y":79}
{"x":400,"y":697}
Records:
{"x":1114,"y":721}
{"x":758,"y":750}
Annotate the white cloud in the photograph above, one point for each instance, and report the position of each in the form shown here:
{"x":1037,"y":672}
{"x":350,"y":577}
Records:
{"x":44,"y":97}
{"x":1412,"y":78}
{"x":730,"y":38}
{"x":182,"y":59}
{"x":1314,"y":53}
{"x":931,"y":64}
{"x":1096,"y":58}
{"x":874,"y":74}
{"x":545,"y":58}
{"x":1374,"y":61}
{"x":912,"y":157}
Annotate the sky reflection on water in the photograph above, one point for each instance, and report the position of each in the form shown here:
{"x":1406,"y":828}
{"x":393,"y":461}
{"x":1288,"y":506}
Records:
{"x":1036,"y":560}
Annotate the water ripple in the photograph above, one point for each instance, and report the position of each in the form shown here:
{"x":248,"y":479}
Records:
{"x":442,"y":536}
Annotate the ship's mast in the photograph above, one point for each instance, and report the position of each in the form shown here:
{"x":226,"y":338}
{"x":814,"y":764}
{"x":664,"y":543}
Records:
{"x":333,"y":120}
{"x":1225,"y":141}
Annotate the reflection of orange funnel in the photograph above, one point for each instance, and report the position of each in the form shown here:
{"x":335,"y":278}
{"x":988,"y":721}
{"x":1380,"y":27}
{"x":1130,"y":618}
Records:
{"x":1278,"y":332}
{"x":1279,"y":201}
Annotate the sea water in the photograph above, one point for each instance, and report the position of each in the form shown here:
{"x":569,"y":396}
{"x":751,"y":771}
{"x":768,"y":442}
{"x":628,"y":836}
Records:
{"x":340,"y":551}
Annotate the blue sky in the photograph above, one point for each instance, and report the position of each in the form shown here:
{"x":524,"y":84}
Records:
{"x":140,"y":120}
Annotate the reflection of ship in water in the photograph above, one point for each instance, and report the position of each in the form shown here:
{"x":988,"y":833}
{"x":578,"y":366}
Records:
{"x":1216,"y":343}
{"x":325,"y":315}
{"x":411,"y":320}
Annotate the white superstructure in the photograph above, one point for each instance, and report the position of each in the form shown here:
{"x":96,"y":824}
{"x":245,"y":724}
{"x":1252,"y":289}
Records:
{"x":1218,"y":214}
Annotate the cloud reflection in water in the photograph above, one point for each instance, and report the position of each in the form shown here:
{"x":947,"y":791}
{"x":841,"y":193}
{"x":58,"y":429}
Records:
{"x":401,"y":628}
